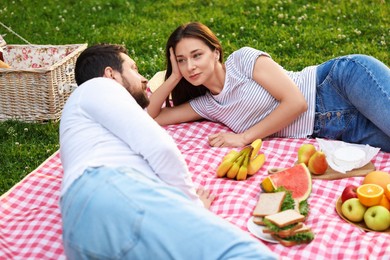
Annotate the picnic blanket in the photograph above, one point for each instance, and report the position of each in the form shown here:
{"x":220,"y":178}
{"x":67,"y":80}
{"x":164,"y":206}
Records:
{"x":30,"y":222}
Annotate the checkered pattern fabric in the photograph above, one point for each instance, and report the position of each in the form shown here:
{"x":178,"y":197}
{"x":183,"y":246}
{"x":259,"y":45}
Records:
{"x":30,"y":222}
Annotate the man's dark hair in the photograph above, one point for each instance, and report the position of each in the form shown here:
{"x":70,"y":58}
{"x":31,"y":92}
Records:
{"x":93,"y":60}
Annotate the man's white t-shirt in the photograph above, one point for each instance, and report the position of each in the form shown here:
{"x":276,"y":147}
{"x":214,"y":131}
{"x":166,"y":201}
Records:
{"x":102,"y":125}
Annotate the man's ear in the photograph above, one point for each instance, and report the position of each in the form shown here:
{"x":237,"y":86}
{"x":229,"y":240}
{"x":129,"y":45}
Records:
{"x":108,"y":73}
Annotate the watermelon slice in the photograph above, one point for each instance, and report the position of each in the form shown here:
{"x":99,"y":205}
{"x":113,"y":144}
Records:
{"x":296,"y":179}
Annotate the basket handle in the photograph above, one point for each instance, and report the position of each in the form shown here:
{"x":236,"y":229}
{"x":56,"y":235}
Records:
{"x":9,"y":29}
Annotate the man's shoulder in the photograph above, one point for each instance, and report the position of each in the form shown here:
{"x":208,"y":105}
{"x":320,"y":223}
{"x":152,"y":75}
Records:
{"x":99,"y":81}
{"x":98,"y":85}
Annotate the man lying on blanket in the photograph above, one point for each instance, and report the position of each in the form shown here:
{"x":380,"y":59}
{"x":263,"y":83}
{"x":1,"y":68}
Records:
{"x":126,"y":192}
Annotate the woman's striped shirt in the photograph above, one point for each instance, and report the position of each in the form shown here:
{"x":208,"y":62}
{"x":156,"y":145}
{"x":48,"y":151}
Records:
{"x":243,"y":102}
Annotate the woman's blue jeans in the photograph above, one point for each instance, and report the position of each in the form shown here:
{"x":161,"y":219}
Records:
{"x":353,"y":101}
{"x":121,"y":214}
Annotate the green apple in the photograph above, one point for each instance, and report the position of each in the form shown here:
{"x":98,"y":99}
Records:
{"x":377,"y":218}
{"x":353,"y":210}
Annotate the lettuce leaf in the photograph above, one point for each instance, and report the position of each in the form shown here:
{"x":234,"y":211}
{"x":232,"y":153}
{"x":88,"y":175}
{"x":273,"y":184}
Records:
{"x":289,"y":202}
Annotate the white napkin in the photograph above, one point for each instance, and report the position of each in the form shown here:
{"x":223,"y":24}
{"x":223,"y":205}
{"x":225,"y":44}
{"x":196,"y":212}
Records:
{"x":330,"y":146}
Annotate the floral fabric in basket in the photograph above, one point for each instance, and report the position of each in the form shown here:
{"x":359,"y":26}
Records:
{"x":33,"y":57}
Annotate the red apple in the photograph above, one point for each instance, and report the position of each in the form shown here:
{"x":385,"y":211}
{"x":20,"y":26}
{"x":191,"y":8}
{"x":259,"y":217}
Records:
{"x":349,"y":192}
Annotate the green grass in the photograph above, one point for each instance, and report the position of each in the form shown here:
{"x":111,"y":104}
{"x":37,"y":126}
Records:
{"x":23,"y":147}
{"x":294,"y":32}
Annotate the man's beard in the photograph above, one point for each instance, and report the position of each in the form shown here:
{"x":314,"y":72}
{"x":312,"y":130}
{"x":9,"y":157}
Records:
{"x":140,"y":96}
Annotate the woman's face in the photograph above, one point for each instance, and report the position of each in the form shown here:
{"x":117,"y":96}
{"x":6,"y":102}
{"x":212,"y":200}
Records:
{"x":196,"y":61}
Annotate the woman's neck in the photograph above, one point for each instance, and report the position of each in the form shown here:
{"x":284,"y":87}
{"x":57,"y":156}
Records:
{"x":216,"y":83}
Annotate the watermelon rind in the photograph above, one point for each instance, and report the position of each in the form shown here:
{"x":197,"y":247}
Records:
{"x":296,"y":179}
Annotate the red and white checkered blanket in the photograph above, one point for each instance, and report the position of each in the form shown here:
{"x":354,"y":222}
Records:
{"x":30,"y":223}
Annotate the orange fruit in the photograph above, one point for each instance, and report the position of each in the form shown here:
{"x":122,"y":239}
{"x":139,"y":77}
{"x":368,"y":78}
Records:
{"x":380,"y":178}
{"x":370,"y":194}
{"x":267,"y":185}
{"x":385,"y":202}
{"x":387,"y":191}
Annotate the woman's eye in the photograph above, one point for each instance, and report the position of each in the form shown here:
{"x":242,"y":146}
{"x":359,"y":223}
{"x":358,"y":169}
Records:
{"x":180,"y":60}
{"x":197,"y":55}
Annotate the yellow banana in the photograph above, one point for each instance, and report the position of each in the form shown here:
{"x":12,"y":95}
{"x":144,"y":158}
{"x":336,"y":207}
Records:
{"x":256,"y":144}
{"x":232,"y":172}
{"x":224,"y":167}
{"x":230,"y":155}
{"x":233,"y":162}
{"x":243,"y":171}
{"x":255,"y":164}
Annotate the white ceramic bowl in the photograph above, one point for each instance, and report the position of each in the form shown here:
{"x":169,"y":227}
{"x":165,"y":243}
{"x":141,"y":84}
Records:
{"x":348,"y":156}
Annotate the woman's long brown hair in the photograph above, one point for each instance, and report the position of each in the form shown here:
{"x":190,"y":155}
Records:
{"x":185,"y":91}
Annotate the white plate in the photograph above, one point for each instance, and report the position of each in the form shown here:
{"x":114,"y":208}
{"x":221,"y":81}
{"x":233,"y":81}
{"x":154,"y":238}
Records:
{"x":257,"y":231}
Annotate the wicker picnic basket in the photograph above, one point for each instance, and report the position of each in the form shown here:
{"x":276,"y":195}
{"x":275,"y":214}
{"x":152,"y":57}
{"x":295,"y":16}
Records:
{"x":40,"y":80}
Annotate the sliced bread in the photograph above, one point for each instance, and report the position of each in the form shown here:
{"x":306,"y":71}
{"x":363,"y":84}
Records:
{"x":269,"y":203}
{"x":285,"y":218}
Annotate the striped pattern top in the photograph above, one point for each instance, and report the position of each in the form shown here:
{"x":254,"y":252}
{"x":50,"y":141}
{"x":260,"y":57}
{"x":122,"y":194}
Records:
{"x":243,"y":102}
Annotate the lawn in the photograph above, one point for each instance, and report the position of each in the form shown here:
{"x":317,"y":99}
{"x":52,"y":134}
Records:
{"x":295,"y":33}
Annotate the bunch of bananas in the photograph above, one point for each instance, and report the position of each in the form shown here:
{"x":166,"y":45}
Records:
{"x":239,"y":164}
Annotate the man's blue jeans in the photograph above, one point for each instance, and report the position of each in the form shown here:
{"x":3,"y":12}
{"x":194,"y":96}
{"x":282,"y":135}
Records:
{"x":353,"y":101}
{"x":121,"y":214}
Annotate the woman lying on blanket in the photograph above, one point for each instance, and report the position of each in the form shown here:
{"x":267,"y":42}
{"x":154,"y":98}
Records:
{"x":346,"y":98}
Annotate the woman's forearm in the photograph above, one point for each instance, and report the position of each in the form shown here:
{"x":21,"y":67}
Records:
{"x":160,"y":95}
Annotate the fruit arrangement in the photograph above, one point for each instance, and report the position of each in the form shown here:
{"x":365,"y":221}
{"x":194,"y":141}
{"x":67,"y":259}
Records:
{"x":314,"y":159}
{"x":369,"y":202}
{"x":239,"y":165}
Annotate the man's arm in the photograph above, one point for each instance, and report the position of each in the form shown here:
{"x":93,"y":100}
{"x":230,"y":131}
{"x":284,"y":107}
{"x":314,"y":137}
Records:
{"x":123,"y":117}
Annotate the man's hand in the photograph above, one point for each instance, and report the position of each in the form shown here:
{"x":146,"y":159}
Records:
{"x":205,"y":197}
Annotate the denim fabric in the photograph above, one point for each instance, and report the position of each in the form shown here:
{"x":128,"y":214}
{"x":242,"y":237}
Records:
{"x":121,"y":214}
{"x":353,"y":101}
